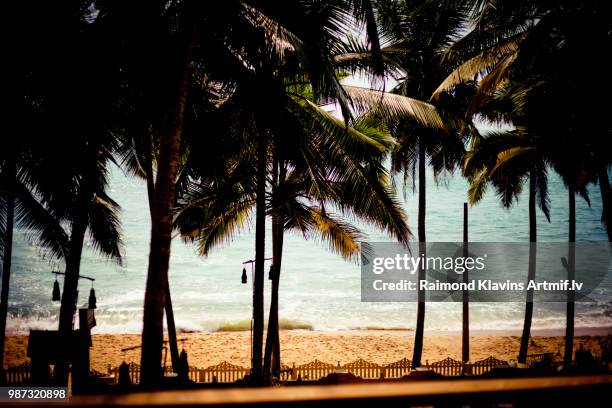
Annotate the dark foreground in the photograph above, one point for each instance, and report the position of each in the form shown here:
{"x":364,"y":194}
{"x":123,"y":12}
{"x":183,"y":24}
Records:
{"x":543,"y":391}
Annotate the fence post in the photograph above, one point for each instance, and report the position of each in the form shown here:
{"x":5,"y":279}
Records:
{"x":293,"y":372}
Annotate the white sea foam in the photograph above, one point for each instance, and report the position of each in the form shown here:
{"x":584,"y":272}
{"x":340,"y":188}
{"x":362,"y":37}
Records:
{"x":317,"y":288}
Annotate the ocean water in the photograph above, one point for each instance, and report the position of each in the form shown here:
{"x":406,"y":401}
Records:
{"x":318,"y":289}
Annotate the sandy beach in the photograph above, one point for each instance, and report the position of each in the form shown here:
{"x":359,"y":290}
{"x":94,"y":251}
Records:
{"x":300,"y":346}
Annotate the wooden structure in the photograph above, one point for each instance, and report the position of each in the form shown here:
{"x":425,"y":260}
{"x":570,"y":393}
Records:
{"x":313,"y":371}
{"x":539,"y":391}
{"x":364,"y":369}
{"x":47,"y":348}
{"x":226,"y":372}
{"x":398,"y":369}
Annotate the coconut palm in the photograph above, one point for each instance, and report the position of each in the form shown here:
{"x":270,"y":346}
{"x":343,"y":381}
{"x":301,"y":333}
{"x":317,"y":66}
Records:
{"x":86,"y":207}
{"x":543,"y":43}
{"x":180,"y":43}
{"x":417,"y":34}
{"x":20,"y":206}
{"x":69,"y":171}
{"x":507,"y":159}
{"x":311,"y":176}
{"x":573,"y":161}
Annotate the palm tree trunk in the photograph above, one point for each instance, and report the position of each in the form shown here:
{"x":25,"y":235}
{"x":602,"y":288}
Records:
{"x":272,"y":361}
{"x":71,"y":284}
{"x":161,"y":224}
{"x":272,"y":351}
{"x":531,"y":272}
{"x":604,"y":187}
{"x":571,"y":260}
{"x":174,"y":354}
{"x":260,"y":246}
{"x":420,"y":324}
{"x":465,"y":333}
{"x":172,"y":341}
{"x":11,"y":175}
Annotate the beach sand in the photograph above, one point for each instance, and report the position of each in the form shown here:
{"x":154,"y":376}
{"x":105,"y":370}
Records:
{"x":300,"y":346}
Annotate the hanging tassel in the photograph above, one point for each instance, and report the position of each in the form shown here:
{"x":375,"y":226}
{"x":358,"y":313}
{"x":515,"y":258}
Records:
{"x":244,"y":275}
{"x":92,"y":299}
{"x":56,"y":292}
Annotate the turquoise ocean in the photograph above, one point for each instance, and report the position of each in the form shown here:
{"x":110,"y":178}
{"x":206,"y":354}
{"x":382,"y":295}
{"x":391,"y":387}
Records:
{"x":318,"y":289}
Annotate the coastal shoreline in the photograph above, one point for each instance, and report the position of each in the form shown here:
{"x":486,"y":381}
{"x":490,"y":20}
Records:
{"x":301,"y":346}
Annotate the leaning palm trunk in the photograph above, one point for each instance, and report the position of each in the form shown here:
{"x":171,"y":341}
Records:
{"x":272,"y":351}
{"x":171,"y":326}
{"x":174,"y":354}
{"x":571,"y":260}
{"x":420,"y":324}
{"x":465,"y":307}
{"x":260,"y":246}
{"x":11,"y":175}
{"x":522,"y":357}
{"x":71,"y":283}
{"x":161,"y":226}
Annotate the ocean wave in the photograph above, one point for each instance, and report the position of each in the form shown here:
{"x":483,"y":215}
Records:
{"x":283,"y":324}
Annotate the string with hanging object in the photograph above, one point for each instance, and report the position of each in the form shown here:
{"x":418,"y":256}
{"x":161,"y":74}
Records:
{"x":56,"y":294}
{"x":244,"y":281}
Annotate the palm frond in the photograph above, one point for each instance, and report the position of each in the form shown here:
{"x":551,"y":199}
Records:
{"x":478,"y":186}
{"x":341,"y":237}
{"x":504,"y":53}
{"x":394,"y":108}
{"x":31,"y":214}
{"x":105,"y":227}
{"x":221,"y":227}
{"x":506,"y":158}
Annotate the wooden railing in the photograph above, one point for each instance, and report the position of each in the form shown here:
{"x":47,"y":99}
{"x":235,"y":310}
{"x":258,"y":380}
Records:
{"x":20,"y":374}
{"x":447,"y":367}
{"x":226,"y":372}
{"x":538,"y":358}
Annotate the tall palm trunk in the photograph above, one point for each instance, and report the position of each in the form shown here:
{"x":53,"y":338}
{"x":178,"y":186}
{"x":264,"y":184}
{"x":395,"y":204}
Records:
{"x":71,"y":282}
{"x":571,"y":263}
{"x":531,"y":272}
{"x":174,"y":354}
{"x":171,"y":327}
{"x":11,"y":180}
{"x":606,"y":196}
{"x":420,"y":324}
{"x":465,"y":307}
{"x":271,"y":365}
{"x":260,"y":246}
{"x":272,"y":351}
{"x":161,"y":223}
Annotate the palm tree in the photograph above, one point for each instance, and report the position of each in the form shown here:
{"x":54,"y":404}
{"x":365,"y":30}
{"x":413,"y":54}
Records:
{"x":573,"y":161}
{"x":68,"y":172}
{"x":549,"y":48}
{"x":307,"y":144}
{"x":88,"y":208}
{"x":192,"y":42}
{"x":553,"y":46}
{"x":418,"y":33}
{"x":77,"y":196}
{"x":506,"y":159}
{"x":20,"y":206}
